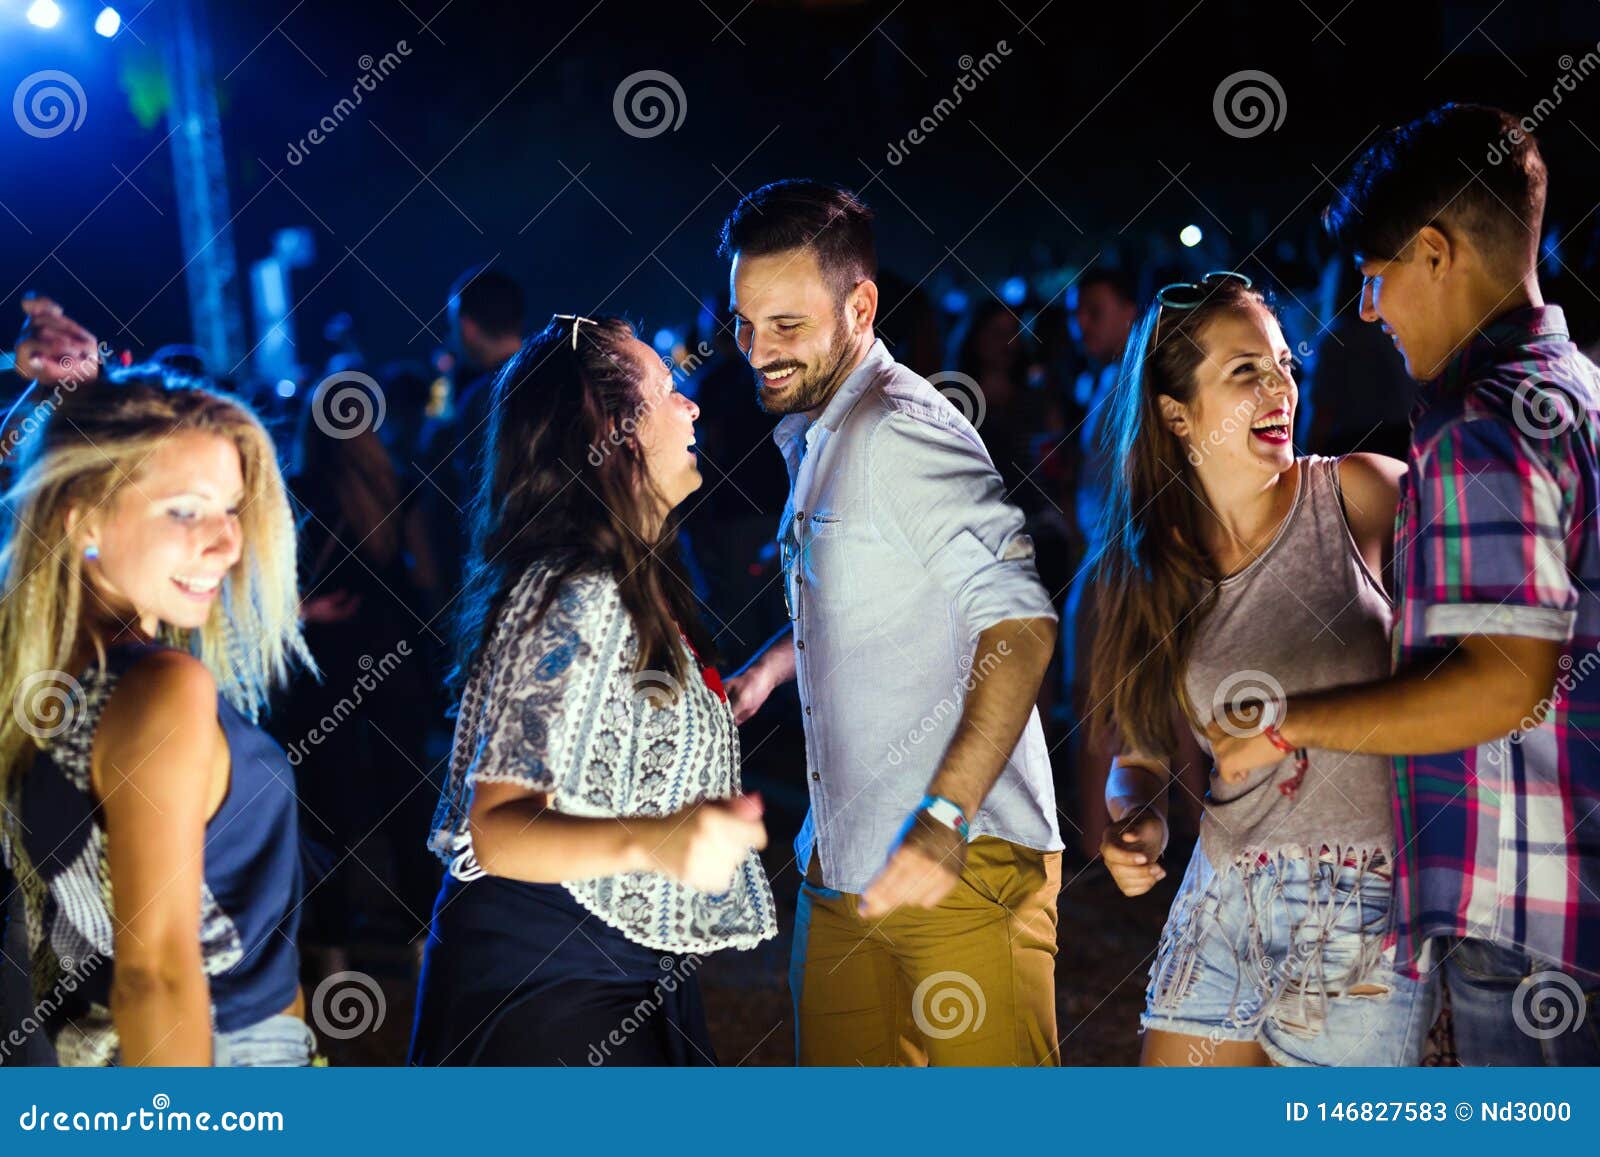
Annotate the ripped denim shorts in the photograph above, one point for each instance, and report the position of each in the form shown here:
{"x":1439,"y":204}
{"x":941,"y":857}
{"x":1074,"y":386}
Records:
{"x":1288,"y":951}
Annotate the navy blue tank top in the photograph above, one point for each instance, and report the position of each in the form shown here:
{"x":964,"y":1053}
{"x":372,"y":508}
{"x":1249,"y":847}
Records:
{"x":54,"y":841}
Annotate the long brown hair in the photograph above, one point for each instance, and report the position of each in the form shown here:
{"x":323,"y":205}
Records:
{"x":563,"y":482}
{"x":1153,"y":574}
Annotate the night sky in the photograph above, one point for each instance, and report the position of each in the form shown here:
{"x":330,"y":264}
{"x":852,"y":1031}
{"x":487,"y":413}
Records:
{"x":1092,"y":137}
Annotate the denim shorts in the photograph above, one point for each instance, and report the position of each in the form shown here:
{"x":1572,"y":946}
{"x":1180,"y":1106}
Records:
{"x":1268,"y":951}
{"x":278,"y":1042}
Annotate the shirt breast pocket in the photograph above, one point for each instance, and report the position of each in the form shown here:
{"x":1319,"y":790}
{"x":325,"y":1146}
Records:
{"x":824,"y":524}
{"x":827,"y":557}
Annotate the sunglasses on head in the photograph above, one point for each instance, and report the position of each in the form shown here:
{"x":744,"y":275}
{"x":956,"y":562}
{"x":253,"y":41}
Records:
{"x":1188,"y":294}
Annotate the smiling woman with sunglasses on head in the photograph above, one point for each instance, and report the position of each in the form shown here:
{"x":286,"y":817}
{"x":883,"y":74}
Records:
{"x":1234,"y":573}
{"x":148,"y":606}
{"x":597,"y":840}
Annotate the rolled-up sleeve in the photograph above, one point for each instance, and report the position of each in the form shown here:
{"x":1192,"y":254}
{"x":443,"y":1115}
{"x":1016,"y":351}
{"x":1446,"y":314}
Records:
{"x":934,"y":494}
{"x":1495,"y":522}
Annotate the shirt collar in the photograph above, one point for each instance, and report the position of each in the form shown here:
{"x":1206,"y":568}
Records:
{"x":1493,"y":344}
{"x":792,"y":427}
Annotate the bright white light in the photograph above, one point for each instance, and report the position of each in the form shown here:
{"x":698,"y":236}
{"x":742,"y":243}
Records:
{"x":1190,"y":235}
{"x":108,"y":22}
{"x":44,"y":13}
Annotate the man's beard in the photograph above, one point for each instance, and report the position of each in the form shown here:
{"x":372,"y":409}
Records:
{"x":809,"y":390}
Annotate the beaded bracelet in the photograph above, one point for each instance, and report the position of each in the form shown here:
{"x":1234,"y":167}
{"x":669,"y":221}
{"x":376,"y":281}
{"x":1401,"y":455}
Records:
{"x":1301,"y":761}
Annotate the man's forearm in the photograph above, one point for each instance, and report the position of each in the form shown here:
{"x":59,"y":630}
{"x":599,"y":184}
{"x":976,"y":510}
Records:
{"x":1007,"y":668}
{"x":1484,"y":689}
{"x":776,"y":658}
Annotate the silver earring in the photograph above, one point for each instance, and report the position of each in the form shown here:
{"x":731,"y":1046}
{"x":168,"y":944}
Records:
{"x":91,"y":553}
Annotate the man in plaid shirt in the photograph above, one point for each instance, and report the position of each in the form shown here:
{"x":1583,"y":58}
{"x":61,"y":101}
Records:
{"x":1493,"y":713}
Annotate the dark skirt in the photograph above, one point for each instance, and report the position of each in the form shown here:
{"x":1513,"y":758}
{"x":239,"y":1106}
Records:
{"x":522,"y":974}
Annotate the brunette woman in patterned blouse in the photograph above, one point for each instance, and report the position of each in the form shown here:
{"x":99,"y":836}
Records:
{"x":597,"y":840}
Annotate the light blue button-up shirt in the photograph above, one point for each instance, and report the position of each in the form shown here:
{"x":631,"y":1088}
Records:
{"x":905,"y":550}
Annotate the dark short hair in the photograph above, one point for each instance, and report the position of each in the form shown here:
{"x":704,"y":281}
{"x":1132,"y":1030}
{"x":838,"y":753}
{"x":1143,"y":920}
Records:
{"x":1118,"y":281}
{"x":492,"y":299}
{"x":1469,"y":165}
{"x":829,"y":220}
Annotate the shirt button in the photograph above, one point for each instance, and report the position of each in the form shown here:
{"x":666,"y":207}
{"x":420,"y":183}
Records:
{"x":814,"y":775}
{"x":800,"y":644}
{"x":808,"y":710}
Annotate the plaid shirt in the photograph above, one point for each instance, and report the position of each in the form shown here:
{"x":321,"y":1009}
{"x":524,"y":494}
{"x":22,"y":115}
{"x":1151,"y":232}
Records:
{"x":1498,"y":535}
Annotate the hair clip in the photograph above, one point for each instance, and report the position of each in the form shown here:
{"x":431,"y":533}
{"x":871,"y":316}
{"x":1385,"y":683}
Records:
{"x":576,"y":321}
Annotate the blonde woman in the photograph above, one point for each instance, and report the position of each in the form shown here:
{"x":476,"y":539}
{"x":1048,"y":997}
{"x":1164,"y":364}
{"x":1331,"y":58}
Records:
{"x":147,"y":606}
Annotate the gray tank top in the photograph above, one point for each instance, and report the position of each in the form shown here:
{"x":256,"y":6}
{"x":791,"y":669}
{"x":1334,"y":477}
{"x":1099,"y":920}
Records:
{"x":1304,"y":616}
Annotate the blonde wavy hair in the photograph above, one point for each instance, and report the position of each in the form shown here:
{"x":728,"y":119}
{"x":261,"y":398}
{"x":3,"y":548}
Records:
{"x":88,"y":447}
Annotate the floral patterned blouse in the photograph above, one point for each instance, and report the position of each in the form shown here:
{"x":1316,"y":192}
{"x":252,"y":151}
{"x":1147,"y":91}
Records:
{"x":555,"y":705}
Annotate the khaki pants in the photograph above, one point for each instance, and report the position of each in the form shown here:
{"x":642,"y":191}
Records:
{"x":971,"y":982}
